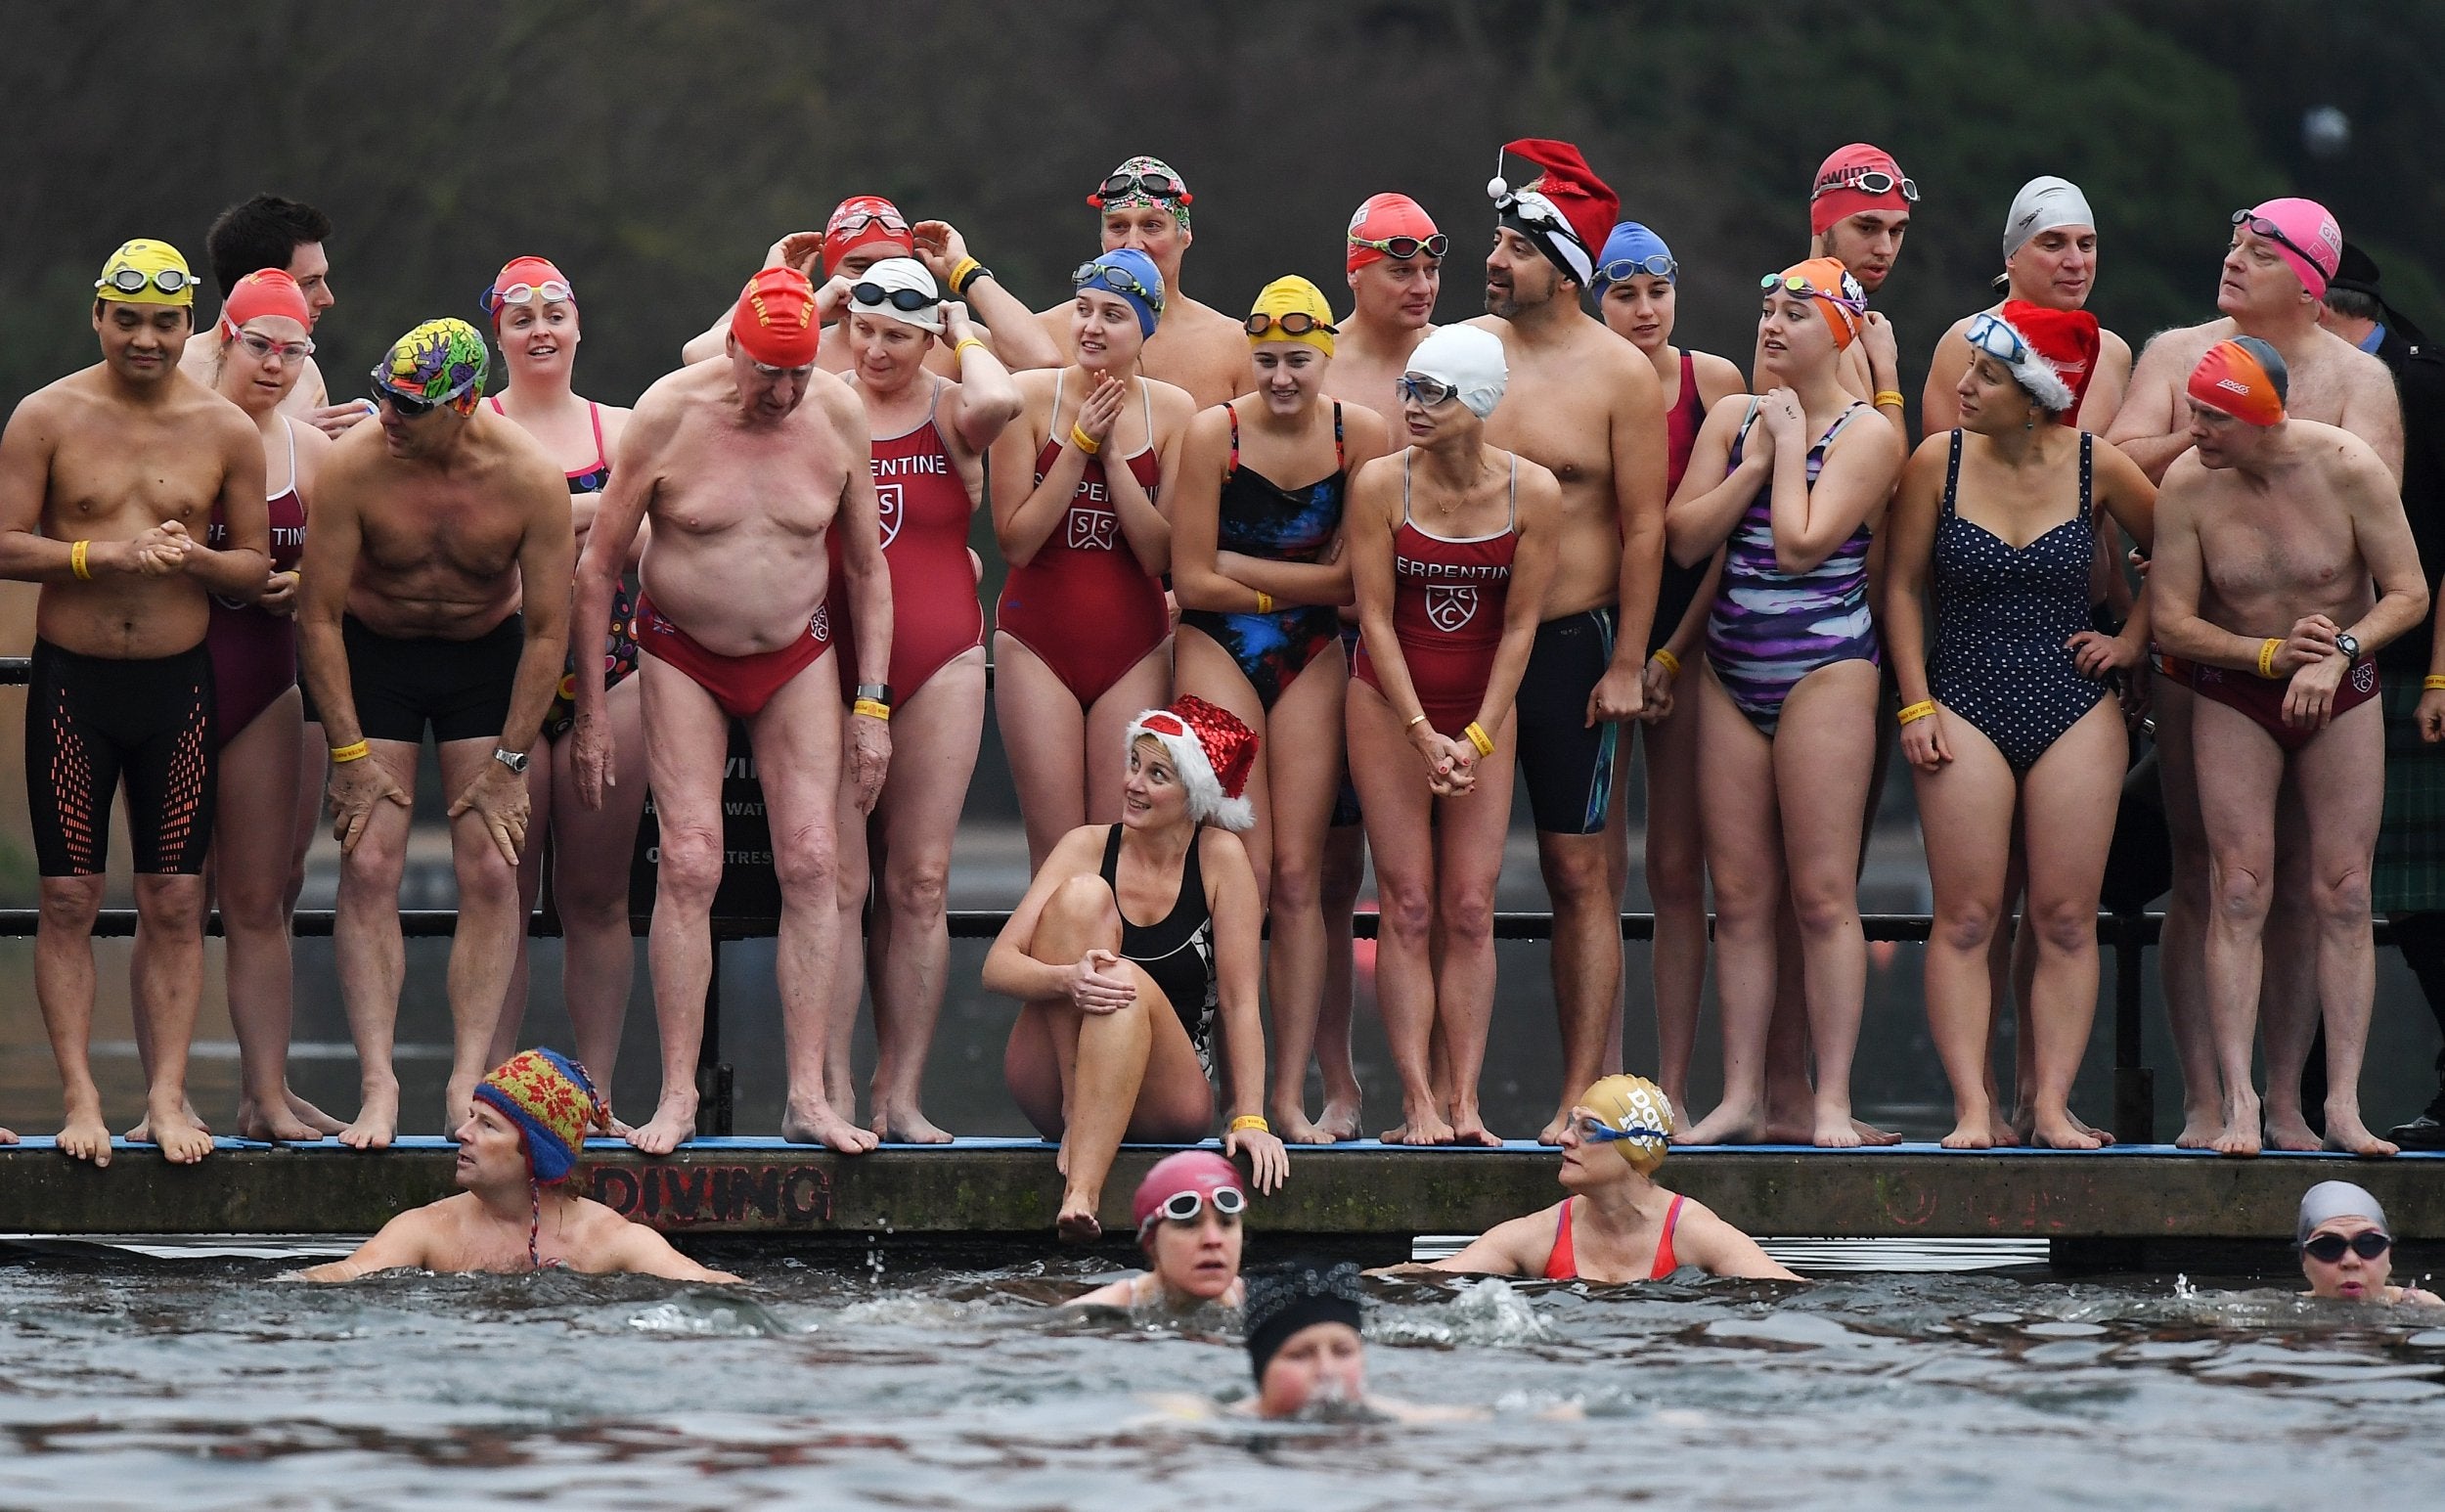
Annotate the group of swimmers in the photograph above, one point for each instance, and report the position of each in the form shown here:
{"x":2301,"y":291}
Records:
{"x":1516,"y":539}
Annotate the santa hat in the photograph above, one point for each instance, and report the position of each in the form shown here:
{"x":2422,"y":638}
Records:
{"x":1212,"y":751}
{"x":2062,"y":348}
{"x":1567,"y":210}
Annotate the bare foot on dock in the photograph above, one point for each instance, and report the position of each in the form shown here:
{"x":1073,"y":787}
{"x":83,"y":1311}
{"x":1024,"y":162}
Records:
{"x":2291,"y":1131}
{"x":1468,"y":1127}
{"x":141,"y":1133}
{"x":2349,"y":1134}
{"x":2241,"y":1125}
{"x":1423,"y":1125}
{"x":86,"y":1137}
{"x":377,"y":1120}
{"x":1975,"y":1131}
{"x":1078,"y":1223}
{"x":277,"y":1125}
{"x":1730,"y":1124}
{"x":1551,"y":1133}
{"x":1837,"y":1130}
{"x":182,"y":1137}
{"x":813,"y":1122}
{"x":2200,"y":1130}
{"x":1291,"y":1127}
{"x":907,"y":1125}
{"x":674,"y":1124}
{"x":2066,"y":1132}
{"x":1340,"y":1122}
{"x":311,"y":1116}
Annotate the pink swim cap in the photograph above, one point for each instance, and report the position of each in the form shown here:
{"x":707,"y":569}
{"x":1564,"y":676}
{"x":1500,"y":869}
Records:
{"x":1202,"y":1172}
{"x":2307,"y":238}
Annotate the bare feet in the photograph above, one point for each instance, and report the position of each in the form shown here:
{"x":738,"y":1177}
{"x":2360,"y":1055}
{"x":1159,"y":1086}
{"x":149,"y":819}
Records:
{"x":141,"y":1133}
{"x":813,"y":1122}
{"x":2062,"y":1131}
{"x":8,"y":1137}
{"x":458,"y":1104}
{"x":2288,"y":1131}
{"x":1975,"y":1132}
{"x":183,"y":1140}
{"x":1551,"y":1133}
{"x":1468,"y":1127}
{"x":1291,"y":1127}
{"x":1731,"y":1124}
{"x":2347,"y":1133}
{"x":1837,"y":1131}
{"x":1340,"y":1122}
{"x":1421,"y":1126}
{"x":377,"y":1118}
{"x":1869,"y":1134}
{"x":2200,"y":1130}
{"x":1078,"y":1223}
{"x":907,"y":1125}
{"x":2240,"y":1124}
{"x":674,"y":1124}
{"x":277,"y":1125}
{"x":311,"y":1116}
{"x":86,"y":1137}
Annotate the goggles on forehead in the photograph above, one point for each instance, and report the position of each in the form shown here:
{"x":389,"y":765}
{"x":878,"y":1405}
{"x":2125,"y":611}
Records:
{"x":1103,"y":274}
{"x":2327,"y":1248}
{"x":1435,"y":246}
{"x":550,"y":290}
{"x":1297,"y":323}
{"x":1874,"y":181}
{"x":1153,"y":185}
{"x":766,"y":369}
{"x":1536,"y":212}
{"x":875,"y":295}
{"x":1656,"y":265}
{"x":1794,"y":283}
{"x":2257,"y":226}
{"x":858,"y":220}
{"x":1427,"y":391}
{"x":1183,"y":1207}
{"x":1998,"y":340}
{"x":132,"y":281}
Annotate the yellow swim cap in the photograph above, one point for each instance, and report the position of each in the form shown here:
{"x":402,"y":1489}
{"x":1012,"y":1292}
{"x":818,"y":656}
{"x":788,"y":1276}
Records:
{"x":1292,"y":309}
{"x":145,"y":272}
{"x":1640,"y":1111}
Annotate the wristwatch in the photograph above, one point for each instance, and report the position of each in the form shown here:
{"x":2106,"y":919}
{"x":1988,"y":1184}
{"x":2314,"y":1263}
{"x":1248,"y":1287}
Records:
{"x":881,"y":692}
{"x":516,"y":761}
{"x":2349,"y":645}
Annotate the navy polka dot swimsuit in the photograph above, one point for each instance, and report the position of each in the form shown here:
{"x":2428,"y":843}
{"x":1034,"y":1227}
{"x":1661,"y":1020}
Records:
{"x":2003,"y":621}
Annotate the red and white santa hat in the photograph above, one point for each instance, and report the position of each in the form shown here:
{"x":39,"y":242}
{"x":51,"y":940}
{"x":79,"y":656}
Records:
{"x":1566,"y":210}
{"x":1212,"y":751}
{"x":2061,"y":357}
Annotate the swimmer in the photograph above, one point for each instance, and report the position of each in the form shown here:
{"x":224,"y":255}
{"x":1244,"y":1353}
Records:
{"x":1637,"y":289}
{"x":1143,"y":205}
{"x":2346,"y":1251}
{"x":1308,"y":1354}
{"x":268,"y":232}
{"x":742,"y":467}
{"x":1256,"y":568}
{"x":1590,"y":411}
{"x":1858,"y":212}
{"x":533,"y":307}
{"x":2282,"y":253}
{"x":2268,"y":540}
{"x":1189,"y":1210}
{"x":424,"y":528}
{"x":1616,"y":1225}
{"x":1116,"y":1032}
{"x":518,"y":1149}
{"x":109,"y":478}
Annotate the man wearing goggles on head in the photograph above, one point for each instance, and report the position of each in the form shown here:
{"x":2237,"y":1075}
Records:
{"x":1190,"y":1212}
{"x":263,"y":233}
{"x":109,"y":484}
{"x":1858,"y":211}
{"x":1144,"y":206}
{"x":1590,"y":409}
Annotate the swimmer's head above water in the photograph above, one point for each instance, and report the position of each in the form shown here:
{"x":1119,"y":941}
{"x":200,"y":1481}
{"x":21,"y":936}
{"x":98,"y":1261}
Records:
{"x":552,"y":1102}
{"x":2346,"y":1249}
{"x":1629,"y":1113}
{"x":1304,"y":1346}
{"x":1188,"y":1212}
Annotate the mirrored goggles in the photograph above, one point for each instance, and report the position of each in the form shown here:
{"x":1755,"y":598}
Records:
{"x":1297,"y":323}
{"x":1874,"y":181}
{"x":1998,"y":340}
{"x":2327,"y":1248}
{"x":1435,"y":246}
{"x":1656,"y":264}
{"x":855,"y":221}
{"x":1427,"y":391}
{"x":264,"y":347}
{"x":132,"y":281}
{"x":1230,"y":1202}
{"x":876,"y":295}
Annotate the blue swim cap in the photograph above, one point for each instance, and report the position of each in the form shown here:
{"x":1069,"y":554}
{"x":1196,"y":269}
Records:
{"x":1632,"y":243}
{"x":1132,"y":275}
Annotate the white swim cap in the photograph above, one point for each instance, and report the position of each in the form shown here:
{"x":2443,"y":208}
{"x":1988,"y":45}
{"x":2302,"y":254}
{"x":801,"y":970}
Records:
{"x":895,"y":275}
{"x":1470,"y":358}
{"x":2331,"y":1200}
{"x":2044,"y":203}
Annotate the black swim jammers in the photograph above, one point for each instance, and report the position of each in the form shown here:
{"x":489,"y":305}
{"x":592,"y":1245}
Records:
{"x":462,"y":688}
{"x":94,"y":721}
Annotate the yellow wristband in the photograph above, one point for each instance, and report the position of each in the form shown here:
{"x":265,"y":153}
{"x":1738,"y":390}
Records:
{"x":2433,"y":683}
{"x":1478,"y":738}
{"x":964,"y":343}
{"x":1886,"y":396}
{"x":1254,"y":1121}
{"x":2266,"y":655}
{"x":76,"y":561}
{"x":1916,"y":712}
{"x":1265,"y":602}
{"x":1083,"y":441}
{"x":871,"y":710}
{"x":1672,"y":663}
{"x":967,"y":265}
{"x":341,"y":755}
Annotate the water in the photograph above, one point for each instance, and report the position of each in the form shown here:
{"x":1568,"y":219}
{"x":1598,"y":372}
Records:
{"x":129,"y":1382}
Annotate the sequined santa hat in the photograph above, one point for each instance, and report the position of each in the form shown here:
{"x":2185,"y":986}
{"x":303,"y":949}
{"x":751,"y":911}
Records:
{"x":1212,"y":751}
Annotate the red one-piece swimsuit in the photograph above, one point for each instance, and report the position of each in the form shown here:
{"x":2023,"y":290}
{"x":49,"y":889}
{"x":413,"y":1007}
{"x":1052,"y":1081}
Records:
{"x":926,"y":507}
{"x":255,"y":651}
{"x":1447,"y":611}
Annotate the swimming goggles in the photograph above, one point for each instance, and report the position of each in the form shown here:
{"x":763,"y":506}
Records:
{"x":2327,"y":1248}
{"x":552,"y":291}
{"x":2257,"y":226}
{"x":263,"y":347}
{"x":1228,"y":1202}
{"x":1435,"y":246}
{"x":1427,"y":391}
{"x":876,"y":295}
{"x":1874,"y":181}
{"x":1656,"y":265}
{"x":1794,"y":283}
{"x":1595,"y":1130}
{"x":1154,"y":186}
{"x":858,"y":220}
{"x":132,"y":281}
{"x":1103,"y":274}
{"x":1998,"y":340}
{"x":766,"y":369}
{"x":407,"y":408}
{"x":1297,"y":323}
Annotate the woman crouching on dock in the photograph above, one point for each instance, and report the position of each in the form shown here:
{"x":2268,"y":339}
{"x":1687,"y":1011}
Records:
{"x":1116,"y":1035}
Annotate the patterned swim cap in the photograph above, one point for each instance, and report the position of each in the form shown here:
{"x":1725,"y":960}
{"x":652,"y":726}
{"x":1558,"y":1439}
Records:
{"x":553,"y":1101}
{"x":1138,"y":167}
{"x":440,"y":362}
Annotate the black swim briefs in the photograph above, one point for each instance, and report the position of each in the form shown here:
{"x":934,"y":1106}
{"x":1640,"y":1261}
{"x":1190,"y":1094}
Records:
{"x":462,"y":688}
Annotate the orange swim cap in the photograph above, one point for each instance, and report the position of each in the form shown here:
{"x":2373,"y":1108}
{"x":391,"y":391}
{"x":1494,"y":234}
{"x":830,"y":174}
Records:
{"x":2243,"y":377}
{"x":1836,"y":293}
{"x":775,"y":321}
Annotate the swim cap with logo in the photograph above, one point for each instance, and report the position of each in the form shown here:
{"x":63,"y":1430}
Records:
{"x":1637,"y":1108}
{"x":864,"y":221}
{"x":268,"y":291}
{"x":2312,"y":244}
{"x":1471,"y":360}
{"x":2044,"y":203}
{"x":1292,"y":295}
{"x":894,"y":275}
{"x":1839,"y":192}
{"x":1837,"y":295}
{"x":441,"y":361}
{"x":151,"y":259}
{"x":774,"y":321}
{"x":1382,"y":218}
{"x":2244,"y":378}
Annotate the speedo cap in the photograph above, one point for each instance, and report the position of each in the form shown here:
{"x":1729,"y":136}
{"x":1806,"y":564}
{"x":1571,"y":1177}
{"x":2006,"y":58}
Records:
{"x":2044,"y":203}
{"x":2244,"y":378}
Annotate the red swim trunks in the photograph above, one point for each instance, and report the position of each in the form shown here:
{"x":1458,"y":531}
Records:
{"x":741,"y":685}
{"x":2262,"y":698}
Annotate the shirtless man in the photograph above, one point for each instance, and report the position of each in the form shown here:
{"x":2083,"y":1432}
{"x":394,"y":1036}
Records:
{"x":108,"y":480}
{"x":517,"y":1151}
{"x":1144,"y":206}
{"x":1590,"y":409}
{"x":270,"y":232}
{"x":425,"y":526}
{"x":1858,"y":211}
{"x":742,"y":465}
{"x":2269,"y":288}
{"x":2267,"y":541}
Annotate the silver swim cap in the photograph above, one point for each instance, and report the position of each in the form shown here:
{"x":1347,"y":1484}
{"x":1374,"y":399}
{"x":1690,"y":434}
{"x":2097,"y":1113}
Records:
{"x":2331,"y":1200}
{"x":2044,"y":203}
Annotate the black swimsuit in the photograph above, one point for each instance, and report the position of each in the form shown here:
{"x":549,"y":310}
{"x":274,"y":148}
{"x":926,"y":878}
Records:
{"x":1176,"y":951}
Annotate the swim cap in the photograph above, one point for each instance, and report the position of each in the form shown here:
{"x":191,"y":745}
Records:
{"x":1137,"y":279}
{"x":2044,"y":203}
{"x":1211,"y":753}
{"x":1566,"y":210}
{"x":441,"y":361}
{"x":1841,"y":190}
{"x":775,"y":321}
{"x":862,"y":221}
{"x":1292,"y":295}
{"x":1382,"y":218}
{"x":2331,"y":1200}
{"x":537,"y":274}
{"x":151,"y":259}
{"x":270,"y":291}
{"x":1137,"y":168}
{"x":1202,"y":1172}
{"x":1283,"y":1301}
{"x":553,"y":1101}
{"x":2061,"y":357}
{"x":1836,"y":295}
{"x":1470,"y":358}
{"x":894,"y":275}
{"x":2244,"y":378}
{"x":1632,"y":243}
{"x":1637,"y":1107}
{"x":2311,"y":245}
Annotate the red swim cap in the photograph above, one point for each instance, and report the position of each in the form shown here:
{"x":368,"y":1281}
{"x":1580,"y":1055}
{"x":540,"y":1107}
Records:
{"x":1839,"y":192}
{"x":535,"y":273}
{"x":865,"y":221}
{"x":1380,"y":219}
{"x":270,"y":291}
{"x":1202,"y":1172}
{"x":775,"y":321}
{"x":2234,"y":379}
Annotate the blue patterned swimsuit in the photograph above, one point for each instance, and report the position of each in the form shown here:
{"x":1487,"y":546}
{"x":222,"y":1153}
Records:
{"x":1259,"y":517}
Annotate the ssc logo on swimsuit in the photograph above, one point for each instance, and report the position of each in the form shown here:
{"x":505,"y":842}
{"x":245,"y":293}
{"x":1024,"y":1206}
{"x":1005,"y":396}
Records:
{"x":819,"y":624}
{"x":1450,"y":608}
{"x":1092,"y":530}
{"x":887,"y":504}
{"x":2365,"y":678}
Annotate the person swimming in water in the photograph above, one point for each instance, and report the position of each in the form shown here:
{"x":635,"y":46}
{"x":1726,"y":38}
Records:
{"x":517,"y":1151}
{"x":2347,"y":1252}
{"x":1188,"y":1212}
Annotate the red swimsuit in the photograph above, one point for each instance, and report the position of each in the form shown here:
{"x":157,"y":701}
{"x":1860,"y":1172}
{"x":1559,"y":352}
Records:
{"x":2262,"y":698}
{"x":741,"y":685}
{"x":1447,"y":611}
{"x":1083,"y":604}
{"x":1563,"y":1265}
{"x":255,"y":651}
{"x":925,"y":508}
